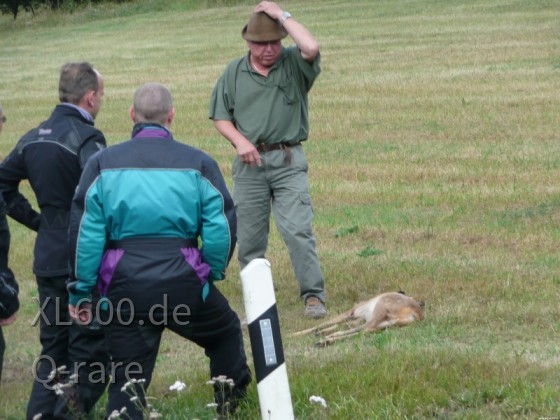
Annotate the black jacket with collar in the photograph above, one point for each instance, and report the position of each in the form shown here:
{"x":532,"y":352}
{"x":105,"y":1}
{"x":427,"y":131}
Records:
{"x":51,"y":156}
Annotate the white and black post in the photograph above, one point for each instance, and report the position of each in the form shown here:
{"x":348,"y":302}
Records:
{"x":266,"y":342}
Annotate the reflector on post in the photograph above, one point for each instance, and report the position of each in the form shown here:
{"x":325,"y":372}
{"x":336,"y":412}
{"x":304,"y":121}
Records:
{"x":266,"y":342}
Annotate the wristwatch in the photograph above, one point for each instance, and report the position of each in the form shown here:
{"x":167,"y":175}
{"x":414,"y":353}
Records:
{"x":285,"y":17}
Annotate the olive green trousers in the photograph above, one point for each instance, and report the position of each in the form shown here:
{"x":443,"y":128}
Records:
{"x":280,"y":184}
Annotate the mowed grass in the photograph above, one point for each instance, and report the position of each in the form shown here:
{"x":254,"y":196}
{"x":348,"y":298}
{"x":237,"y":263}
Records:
{"x":434,"y":166}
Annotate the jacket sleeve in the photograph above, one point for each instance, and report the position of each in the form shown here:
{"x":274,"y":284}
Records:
{"x":21,"y":211}
{"x":219,"y":223}
{"x":12,"y":171}
{"x":91,"y":146}
{"x":87,"y":234}
{"x":9,"y":302}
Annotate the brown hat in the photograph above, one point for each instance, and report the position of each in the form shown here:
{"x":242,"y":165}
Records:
{"x":262,"y":28}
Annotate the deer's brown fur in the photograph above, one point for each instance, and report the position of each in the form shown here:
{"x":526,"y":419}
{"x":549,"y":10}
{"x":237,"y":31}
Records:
{"x":382,"y":311}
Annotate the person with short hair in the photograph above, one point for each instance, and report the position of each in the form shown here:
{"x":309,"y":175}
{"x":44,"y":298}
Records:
{"x":51,"y":157}
{"x":260,"y":105}
{"x":154,"y":218}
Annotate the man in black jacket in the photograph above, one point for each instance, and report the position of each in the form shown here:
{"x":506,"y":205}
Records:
{"x":52,"y":156}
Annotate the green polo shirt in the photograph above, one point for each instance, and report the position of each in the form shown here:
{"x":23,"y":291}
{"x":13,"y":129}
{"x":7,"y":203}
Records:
{"x":269,"y":109}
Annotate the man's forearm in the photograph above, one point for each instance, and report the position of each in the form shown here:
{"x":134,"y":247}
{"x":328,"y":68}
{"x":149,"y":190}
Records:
{"x":304,"y":40}
{"x":228,"y":130}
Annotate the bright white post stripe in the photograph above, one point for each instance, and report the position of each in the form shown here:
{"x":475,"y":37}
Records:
{"x":264,"y":330}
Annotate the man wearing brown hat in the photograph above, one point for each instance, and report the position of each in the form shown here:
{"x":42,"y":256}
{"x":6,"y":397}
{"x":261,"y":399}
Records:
{"x":260,"y":105}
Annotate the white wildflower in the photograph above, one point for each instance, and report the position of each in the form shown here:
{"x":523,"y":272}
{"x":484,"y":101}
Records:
{"x":318,"y":400}
{"x":38,"y":416}
{"x":51,"y":376}
{"x":222,"y":379}
{"x":114,"y":415}
{"x":211,"y":405}
{"x":132,"y":382}
{"x":134,"y":398}
{"x":125,"y":386}
{"x":58,"y":388}
{"x":177,"y":386}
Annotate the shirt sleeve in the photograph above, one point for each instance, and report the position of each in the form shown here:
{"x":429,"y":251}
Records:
{"x":222,"y":101}
{"x":308,"y":71}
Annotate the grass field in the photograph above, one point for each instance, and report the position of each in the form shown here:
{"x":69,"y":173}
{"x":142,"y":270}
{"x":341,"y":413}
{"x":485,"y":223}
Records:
{"x":434,"y":166}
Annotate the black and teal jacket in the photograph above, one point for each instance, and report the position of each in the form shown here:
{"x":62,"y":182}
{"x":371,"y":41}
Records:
{"x":148,"y":189}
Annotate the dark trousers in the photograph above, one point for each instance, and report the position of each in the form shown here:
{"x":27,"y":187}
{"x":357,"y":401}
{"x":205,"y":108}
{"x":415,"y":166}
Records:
{"x":212,"y":324}
{"x":70,"y":348}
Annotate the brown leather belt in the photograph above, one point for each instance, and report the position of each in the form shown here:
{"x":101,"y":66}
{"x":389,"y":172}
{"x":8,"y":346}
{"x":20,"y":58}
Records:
{"x":265,"y":147}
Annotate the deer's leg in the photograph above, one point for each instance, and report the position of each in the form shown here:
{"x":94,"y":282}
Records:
{"x":335,"y":321}
{"x":346,"y":333}
{"x":352,"y":323}
{"x":337,"y":336}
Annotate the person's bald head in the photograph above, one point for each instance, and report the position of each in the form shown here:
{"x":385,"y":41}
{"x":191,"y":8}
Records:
{"x":152,"y":103}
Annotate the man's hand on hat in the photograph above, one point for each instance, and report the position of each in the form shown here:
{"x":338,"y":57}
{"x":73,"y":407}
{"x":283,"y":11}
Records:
{"x":270,"y":8}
